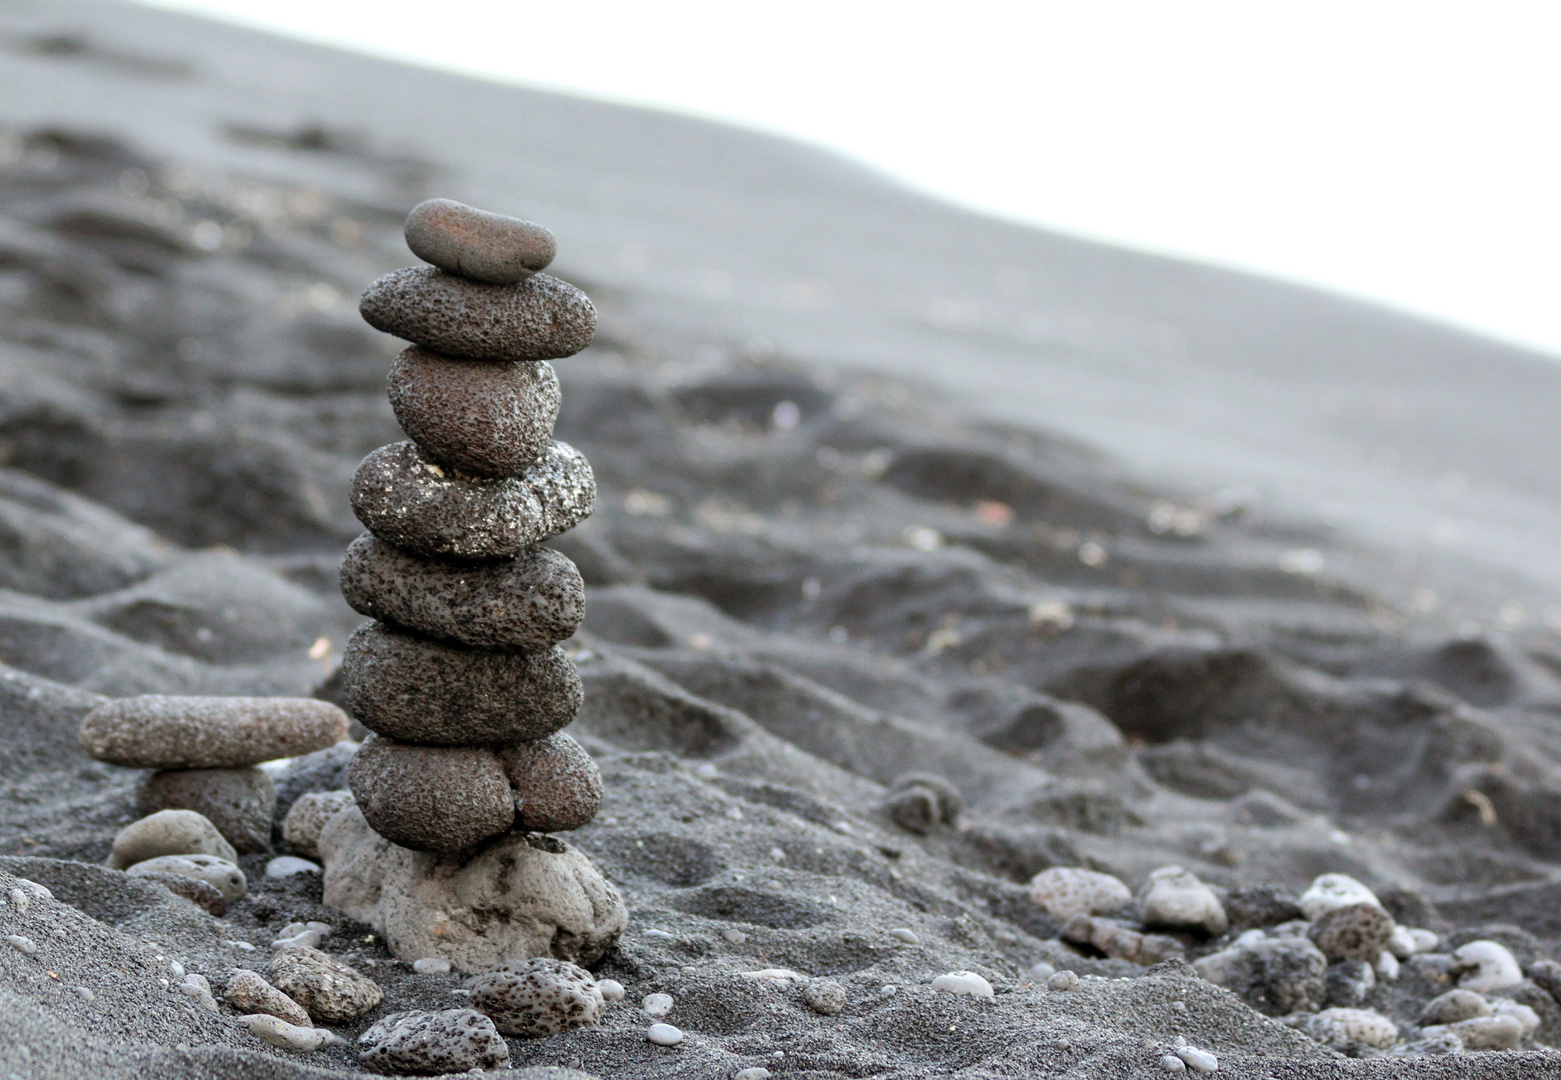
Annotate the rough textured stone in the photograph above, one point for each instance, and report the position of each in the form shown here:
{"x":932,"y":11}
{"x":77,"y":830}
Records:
{"x":1276,"y":976}
{"x":478,"y":244}
{"x":538,"y":997}
{"x":1348,"y":984}
{"x":416,"y":690}
{"x":403,"y":496}
{"x":1352,"y":932}
{"x":249,"y":992}
{"x":239,"y":802}
{"x":541,"y":318}
{"x":1483,"y":1032}
{"x":1261,"y":905}
{"x":532,"y":602}
{"x":1359,"y":1026}
{"x":1175,"y":899}
{"x":328,"y":989}
{"x":220,"y":874}
{"x":1122,"y":942}
{"x":919,"y":802}
{"x":308,"y":815}
{"x":476,"y":416}
{"x":202,"y":894}
{"x":1065,"y":891}
{"x":168,"y":832}
{"x":556,"y":784}
{"x":355,"y":857}
{"x":431,"y":798}
{"x":824,"y":996}
{"x":432,"y":1044}
{"x":155,"y":731}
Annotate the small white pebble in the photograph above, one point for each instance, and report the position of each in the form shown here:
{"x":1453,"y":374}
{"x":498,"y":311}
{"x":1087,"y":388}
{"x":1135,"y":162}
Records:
{"x":292,"y":929}
{"x":1198,"y":1060}
{"x":900,"y":933}
{"x":778,"y":1055}
{"x":288,"y":865}
{"x":431,"y":965}
{"x":888,"y":990}
{"x":176,"y":968}
{"x":23,"y":945}
{"x":664,"y":1035}
{"x":244,"y":945}
{"x":660,"y":935}
{"x":736,"y":937}
{"x":757,"y":1072}
{"x":1064,"y":981}
{"x":963,"y":982}
{"x":85,"y":995}
{"x":1173,"y":1064}
{"x":707,"y":771}
{"x":277,"y":1032}
{"x":322,"y":928}
{"x":657,"y":1004}
{"x":777,"y":855}
{"x":307,"y":939}
{"x":611,"y":989}
{"x":1042,"y":971}
{"x":19,"y":899}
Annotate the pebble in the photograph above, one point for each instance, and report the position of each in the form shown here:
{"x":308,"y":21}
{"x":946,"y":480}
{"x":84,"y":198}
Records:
{"x":308,"y":815}
{"x":422,"y":1043}
{"x":1523,"y":1014}
{"x":1361,"y":1026}
{"x":664,"y":1034}
{"x":610,"y":989}
{"x":477,"y":244}
{"x":287,"y":865}
{"x":22,"y":944}
{"x":1483,"y":1032}
{"x":1425,"y":941}
{"x":1174,"y":899}
{"x":1453,"y":1006}
{"x":1401,"y":945}
{"x":656,"y":1004}
{"x":431,"y":965}
{"x":241,"y":803}
{"x":1352,"y":932}
{"x":1348,"y":983}
{"x":1334,"y":890}
{"x":825,"y":996}
{"x":155,"y":731}
{"x":303,"y":939}
{"x":197,"y":892}
{"x":1387,"y":966}
{"x":480,"y":418}
{"x":540,"y":318}
{"x":407,"y":687}
{"x":249,"y":992}
{"x":1172,"y":1064}
{"x":1042,"y":971}
{"x":19,"y":900}
{"x":220,"y":874}
{"x":963,"y":982}
{"x":1065,"y":891}
{"x":86,"y":995}
{"x":431,"y":798}
{"x":908,"y":936}
{"x":328,"y":989}
{"x":529,"y":603}
{"x":755,"y":1072}
{"x":1064,"y":981}
{"x":555,"y":783}
{"x":168,"y":832}
{"x":279,"y":1033}
{"x":538,"y":997}
{"x":1122,"y":942}
{"x":737,"y":937}
{"x":1486,"y":966}
{"x":919,"y":802}
{"x":1198,"y":1060}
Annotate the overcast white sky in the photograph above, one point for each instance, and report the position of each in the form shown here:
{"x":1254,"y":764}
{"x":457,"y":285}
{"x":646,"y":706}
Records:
{"x":1404,"y":152}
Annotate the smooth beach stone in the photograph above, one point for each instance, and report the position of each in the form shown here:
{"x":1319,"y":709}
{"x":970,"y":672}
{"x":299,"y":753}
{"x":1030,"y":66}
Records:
{"x":308,"y":815}
{"x":406,"y":498}
{"x":480,"y":417}
{"x":329,"y":990}
{"x":538,"y":997}
{"x":1174,"y":899}
{"x":1065,"y":891}
{"x":422,"y":1043}
{"x":1453,"y":1006}
{"x":557,"y":786}
{"x":168,"y":832}
{"x":478,"y":244}
{"x":221,"y":874}
{"x":285,"y":1036}
{"x":1486,"y":966}
{"x":248,"y":992}
{"x":157,"y":731}
{"x":409,"y":688}
{"x":541,"y":318}
{"x":531,"y":602}
{"x":239,"y":802}
{"x":431,"y":798}
{"x":1334,"y":890}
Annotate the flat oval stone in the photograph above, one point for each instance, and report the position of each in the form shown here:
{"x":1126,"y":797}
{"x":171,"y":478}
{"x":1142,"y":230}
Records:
{"x":557,"y":785}
{"x":541,"y":318}
{"x":409,"y":688}
{"x":156,"y":731}
{"x":168,"y":832}
{"x":239,"y":802}
{"x":532,"y":602}
{"x":431,"y":798}
{"x":478,"y":244}
{"x":404,"y":497}
{"x":479,"y":417}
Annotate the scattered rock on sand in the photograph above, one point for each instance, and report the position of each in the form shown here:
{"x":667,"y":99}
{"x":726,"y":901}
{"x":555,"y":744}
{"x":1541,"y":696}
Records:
{"x":239,"y":802}
{"x":1340,"y":1028}
{"x":556,"y":784}
{"x":537,"y":997}
{"x":287,"y":865}
{"x":279,"y":1033}
{"x":421,"y":1043}
{"x":825,"y":996}
{"x":1065,"y":891}
{"x":664,"y":1034}
{"x":248,"y":992}
{"x":431,"y":798}
{"x":478,"y":244}
{"x":1334,"y":890}
{"x":155,"y":731}
{"x":196,"y":891}
{"x":1482,"y":1032}
{"x":1352,"y":932}
{"x":540,"y":318}
{"x":1276,"y":976}
{"x":308,"y":815}
{"x":1486,"y":966}
{"x":216,"y":873}
{"x":966,"y":983}
{"x":919,"y":802}
{"x":1174,"y":899}
{"x":1064,"y":981}
{"x":168,"y":832}
{"x":328,"y":989}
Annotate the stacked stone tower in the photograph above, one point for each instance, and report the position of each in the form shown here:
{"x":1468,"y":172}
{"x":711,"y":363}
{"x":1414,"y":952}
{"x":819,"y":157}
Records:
{"x":460,"y":676}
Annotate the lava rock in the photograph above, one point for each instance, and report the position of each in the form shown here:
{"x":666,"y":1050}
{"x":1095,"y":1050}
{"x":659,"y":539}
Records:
{"x":155,"y":731}
{"x":1260,"y":906}
{"x":1352,"y":932}
{"x":477,"y":244}
{"x":1175,"y":899}
{"x":538,"y":997}
{"x":431,"y":798}
{"x":540,"y":318}
{"x":249,"y":992}
{"x":328,"y":989}
{"x":420,"y":1043}
{"x":308,"y":815}
{"x":531,"y":603}
{"x":556,"y":784}
{"x":239,"y":802}
{"x":1348,"y":983}
{"x":824,"y":996}
{"x":223,"y":875}
{"x":1276,"y":976}
{"x":168,"y":832}
{"x":478,"y":417}
{"x":405,"y":497}
{"x":354,"y":858}
{"x":1065,"y":891}
{"x":406,"y":687}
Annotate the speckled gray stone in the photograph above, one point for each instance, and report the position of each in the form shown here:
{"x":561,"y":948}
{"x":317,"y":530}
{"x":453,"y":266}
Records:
{"x":308,"y":815}
{"x":431,"y":798}
{"x":478,"y":244}
{"x":416,"y":690}
{"x":239,"y":802}
{"x":248,"y":992}
{"x":1352,"y":932}
{"x":329,"y":990}
{"x":168,"y":832}
{"x":432,"y":1044}
{"x":200,"y":893}
{"x":406,"y":498}
{"x":157,"y":731}
{"x":557,"y":785}
{"x":538,"y":997}
{"x":477,"y":416}
{"x":532,"y":602}
{"x":541,"y":318}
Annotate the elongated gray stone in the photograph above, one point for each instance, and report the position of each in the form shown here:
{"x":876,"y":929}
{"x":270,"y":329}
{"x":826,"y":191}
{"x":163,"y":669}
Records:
{"x":156,"y":731}
{"x":431,"y":798}
{"x":540,"y":318}
{"x":478,"y":244}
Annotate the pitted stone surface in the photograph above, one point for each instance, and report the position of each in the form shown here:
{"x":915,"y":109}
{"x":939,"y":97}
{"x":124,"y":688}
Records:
{"x":431,"y":798}
{"x":557,"y":786}
{"x":540,"y":318}
{"x":1352,"y":932}
{"x":328,"y":989}
{"x":478,"y":244}
{"x":485,"y":418}
{"x":308,"y":816}
{"x":532,"y":602}
{"x":538,"y":997}
{"x":416,"y":690}
{"x":432,"y":1044}
{"x":1065,"y":891}
{"x":239,"y":802}
{"x":156,"y":731}
{"x":404,"y":497}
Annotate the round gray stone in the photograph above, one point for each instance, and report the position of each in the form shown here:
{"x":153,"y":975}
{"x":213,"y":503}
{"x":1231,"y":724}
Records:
{"x":557,"y":785}
{"x":431,"y":798}
{"x":541,"y":318}
{"x":156,"y":731}
{"x":239,"y":802}
{"x":478,"y":244}
{"x":168,"y":832}
{"x":432,"y":1044}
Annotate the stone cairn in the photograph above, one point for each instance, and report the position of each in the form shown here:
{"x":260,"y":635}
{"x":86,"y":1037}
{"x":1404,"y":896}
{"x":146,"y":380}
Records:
{"x":460,"y":676}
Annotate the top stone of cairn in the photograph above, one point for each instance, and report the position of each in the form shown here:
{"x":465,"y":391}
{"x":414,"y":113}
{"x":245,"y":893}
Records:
{"x":477,"y":244}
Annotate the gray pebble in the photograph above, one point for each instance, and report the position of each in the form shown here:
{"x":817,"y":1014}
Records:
{"x":285,"y":1036}
{"x":212,"y":871}
{"x":824,"y":996}
{"x":532,"y":602}
{"x":538,"y":997}
{"x":308,"y":815}
{"x":1453,"y":1006}
{"x":540,"y":318}
{"x":328,"y":989}
{"x":478,"y":244}
{"x":405,"y":497}
{"x":556,"y":784}
{"x":908,"y":936}
{"x":1352,"y":932}
{"x":432,"y":1043}
{"x":22,"y":944}
{"x":249,"y":992}
{"x":406,"y":687}
{"x":239,"y":802}
{"x":168,"y":832}
{"x":156,"y":731}
{"x":431,"y":798}
{"x":1064,"y":981}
